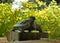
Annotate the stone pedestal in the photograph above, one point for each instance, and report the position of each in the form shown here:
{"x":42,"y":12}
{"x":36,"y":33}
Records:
{"x":22,"y":36}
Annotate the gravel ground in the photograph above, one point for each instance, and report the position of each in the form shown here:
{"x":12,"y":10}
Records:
{"x":4,"y":40}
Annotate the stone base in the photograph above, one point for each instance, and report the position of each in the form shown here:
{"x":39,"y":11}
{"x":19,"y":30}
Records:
{"x":19,"y":36}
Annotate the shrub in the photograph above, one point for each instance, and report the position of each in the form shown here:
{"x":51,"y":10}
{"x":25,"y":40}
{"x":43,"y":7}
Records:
{"x":48,"y":18}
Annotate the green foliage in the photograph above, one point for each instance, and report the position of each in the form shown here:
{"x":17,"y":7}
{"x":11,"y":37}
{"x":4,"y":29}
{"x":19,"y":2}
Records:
{"x":49,"y":17}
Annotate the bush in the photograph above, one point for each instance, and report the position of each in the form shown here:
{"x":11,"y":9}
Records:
{"x":48,"y":18}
